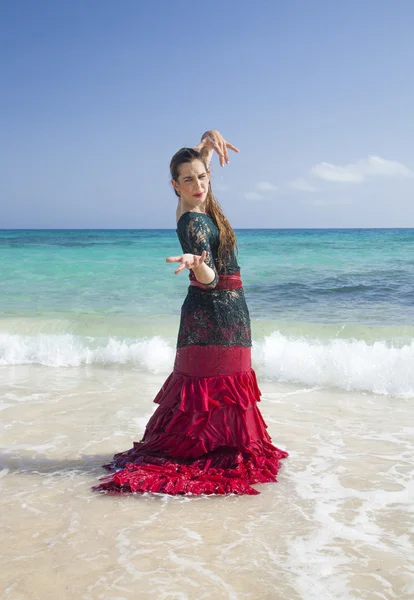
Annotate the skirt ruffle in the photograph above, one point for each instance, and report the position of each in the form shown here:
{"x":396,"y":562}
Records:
{"x":207,"y":436}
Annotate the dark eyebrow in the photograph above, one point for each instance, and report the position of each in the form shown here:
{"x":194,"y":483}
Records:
{"x":192,"y":176}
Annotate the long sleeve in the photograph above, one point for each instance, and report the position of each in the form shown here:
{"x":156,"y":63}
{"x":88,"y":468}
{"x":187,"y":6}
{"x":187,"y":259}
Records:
{"x":195,"y":236}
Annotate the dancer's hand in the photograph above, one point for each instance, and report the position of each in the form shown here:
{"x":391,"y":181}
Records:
{"x":188,"y":261}
{"x":213,"y":140}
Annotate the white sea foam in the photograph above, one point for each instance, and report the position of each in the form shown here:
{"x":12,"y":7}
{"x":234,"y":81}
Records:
{"x":67,"y":350}
{"x":348,"y":364}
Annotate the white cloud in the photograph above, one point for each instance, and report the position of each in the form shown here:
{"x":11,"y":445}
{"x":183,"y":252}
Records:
{"x":302,"y":185}
{"x":371,"y":166}
{"x":252,"y":196}
{"x":266,"y":186}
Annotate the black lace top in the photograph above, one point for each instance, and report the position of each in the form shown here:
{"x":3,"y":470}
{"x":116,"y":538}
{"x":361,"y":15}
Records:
{"x":210,"y":316}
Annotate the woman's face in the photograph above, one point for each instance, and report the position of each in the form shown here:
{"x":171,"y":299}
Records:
{"x":192,"y":184}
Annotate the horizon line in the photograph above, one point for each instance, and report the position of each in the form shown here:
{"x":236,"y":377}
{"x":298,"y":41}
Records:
{"x":172,"y":229}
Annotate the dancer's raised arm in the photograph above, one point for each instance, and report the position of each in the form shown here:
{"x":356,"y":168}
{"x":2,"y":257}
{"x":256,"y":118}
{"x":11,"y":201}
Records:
{"x":213,"y":141}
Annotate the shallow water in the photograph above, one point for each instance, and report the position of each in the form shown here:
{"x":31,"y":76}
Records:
{"x":329,"y":307}
{"x":339,"y":524}
{"x":348,"y":276}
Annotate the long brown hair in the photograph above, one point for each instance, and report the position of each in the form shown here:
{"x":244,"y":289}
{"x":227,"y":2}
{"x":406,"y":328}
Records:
{"x":227,"y":236}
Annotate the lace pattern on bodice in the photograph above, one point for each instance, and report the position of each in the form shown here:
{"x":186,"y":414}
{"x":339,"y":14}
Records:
{"x":210,"y":316}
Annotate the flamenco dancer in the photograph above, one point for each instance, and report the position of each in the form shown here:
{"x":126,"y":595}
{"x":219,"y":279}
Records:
{"x":207,"y":435}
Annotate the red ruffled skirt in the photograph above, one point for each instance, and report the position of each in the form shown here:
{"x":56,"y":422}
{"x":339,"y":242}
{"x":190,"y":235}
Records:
{"x":207,"y":435}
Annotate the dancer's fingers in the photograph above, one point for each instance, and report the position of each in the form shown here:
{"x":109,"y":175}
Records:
{"x":221,"y":154}
{"x":201,"y":145}
{"x":225,"y":153}
{"x":232,"y":147}
{"x":180,"y":268}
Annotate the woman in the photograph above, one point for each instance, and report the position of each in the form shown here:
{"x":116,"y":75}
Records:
{"x":207,"y":436}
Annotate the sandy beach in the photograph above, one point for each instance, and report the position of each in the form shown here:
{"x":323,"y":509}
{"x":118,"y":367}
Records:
{"x":339,"y":524}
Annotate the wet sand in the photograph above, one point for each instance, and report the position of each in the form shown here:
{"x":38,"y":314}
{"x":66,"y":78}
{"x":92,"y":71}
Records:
{"x":339,"y":524}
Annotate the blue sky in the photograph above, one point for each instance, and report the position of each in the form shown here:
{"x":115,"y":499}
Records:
{"x":96,"y":96}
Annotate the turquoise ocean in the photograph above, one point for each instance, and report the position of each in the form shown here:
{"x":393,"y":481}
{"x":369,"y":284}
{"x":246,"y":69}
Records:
{"x":328,"y":307}
{"x":88,"y":326}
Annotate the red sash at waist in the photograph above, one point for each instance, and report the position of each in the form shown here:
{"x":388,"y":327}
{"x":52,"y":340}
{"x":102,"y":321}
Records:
{"x":225,"y":282}
{"x":212,"y":361}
